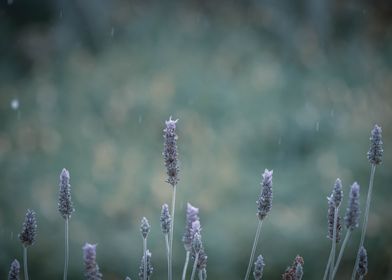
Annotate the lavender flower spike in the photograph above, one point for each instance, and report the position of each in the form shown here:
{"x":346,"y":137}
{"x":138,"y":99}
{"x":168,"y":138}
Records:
{"x":14,"y":270}
{"x":149,"y":267}
{"x":90,"y":263}
{"x":334,"y":202}
{"x":264,"y":203}
{"x":65,"y":204}
{"x":192,"y":215}
{"x":337,"y":194}
{"x":299,"y":272}
{"x":165,"y":219}
{"x":363,"y":262}
{"x":259,"y":267}
{"x":352,"y":213}
{"x":375,"y":151}
{"x":144,"y":227}
{"x":127,"y":278}
{"x":29,"y":230}
{"x":170,"y":153}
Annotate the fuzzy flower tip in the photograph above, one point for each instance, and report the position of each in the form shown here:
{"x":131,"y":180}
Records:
{"x":331,"y":215}
{"x":291,"y":272}
{"x":144,"y":227}
{"x":375,"y":151}
{"x":337,"y":194}
{"x":150,"y":269}
{"x":14,"y":270}
{"x":29,"y":229}
{"x":170,"y":154}
{"x":259,"y":267}
{"x":363,"y":262}
{"x":351,"y":218}
{"x":90,"y":263}
{"x":65,"y":204}
{"x":192,"y":215}
{"x":165,"y":219}
{"x":264,"y":203}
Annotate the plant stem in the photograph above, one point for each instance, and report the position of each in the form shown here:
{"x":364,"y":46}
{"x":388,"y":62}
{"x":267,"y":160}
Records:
{"x":328,"y":265}
{"x":201,"y":277}
{"x":169,"y":272}
{"x":365,"y":218}
{"x":185,"y":265}
{"x":172,"y":227}
{"x":66,"y":254}
{"x":145,"y":258}
{"x":252,"y":255}
{"x":346,"y":238}
{"x":194,"y":266}
{"x":25,"y":263}
{"x":333,"y":249}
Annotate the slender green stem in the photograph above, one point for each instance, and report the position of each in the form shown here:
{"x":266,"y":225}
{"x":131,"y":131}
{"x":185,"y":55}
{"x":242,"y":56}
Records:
{"x":145,"y":258}
{"x":172,"y":227}
{"x":185,"y":265}
{"x":333,"y":249}
{"x":252,"y":255}
{"x":361,"y":277}
{"x":346,"y":238}
{"x":194,"y":266}
{"x":25,"y":263}
{"x":201,"y":277}
{"x":328,"y":265}
{"x":66,"y":254}
{"x":169,"y":272}
{"x":365,"y":218}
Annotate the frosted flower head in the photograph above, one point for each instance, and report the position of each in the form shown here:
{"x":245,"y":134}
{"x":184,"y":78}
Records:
{"x":91,"y":269}
{"x":259,"y":267}
{"x":375,"y":151}
{"x":363,"y":262}
{"x":192,"y":215}
{"x":65,"y":204}
{"x":14,"y":272}
{"x":144,"y":227}
{"x":351,"y":218}
{"x":170,"y":153}
{"x":149,"y":270}
{"x":29,"y":229}
{"x":264,"y":203}
{"x":165,"y":219}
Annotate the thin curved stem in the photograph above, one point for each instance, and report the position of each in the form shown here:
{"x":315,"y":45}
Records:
{"x":194,"y":266}
{"x":185,"y":265}
{"x":333,"y":249}
{"x":169,"y":272}
{"x":252,"y":255}
{"x":328,"y":265}
{"x":365,"y":218}
{"x":346,"y":238}
{"x":66,"y":253}
{"x":25,"y":263}
{"x":172,"y":227}
{"x":145,"y":258}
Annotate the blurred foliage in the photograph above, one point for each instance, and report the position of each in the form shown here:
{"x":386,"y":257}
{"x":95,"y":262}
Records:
{"x":293,"y":86}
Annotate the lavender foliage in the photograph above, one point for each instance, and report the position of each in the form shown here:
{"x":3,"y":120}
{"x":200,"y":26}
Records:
{"x":29,"y":229}
{"x":259,"y":267}
{"x":14,"y":270}
{"x":144,"y":227}
{"x":376,"y":151}
{"x":192,"y":215}
{"x":150,"y":269}
{"x":363,"y":262}
{"x":91,"y":269}
{"x":170,"y":153}
{"x":165,"y":219}
{"x":351,"y":218}
{"x":65,"y":204}
{"x":264,"y":203}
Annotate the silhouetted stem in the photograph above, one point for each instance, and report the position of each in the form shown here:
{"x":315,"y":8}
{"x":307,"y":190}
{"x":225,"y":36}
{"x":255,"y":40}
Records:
{"x":333,"y":249}
{"x":66,"y":254}
{"x":25,"y":263}
{"x":172,"y":227}
{"x":252,"y":255}
{"x":145,"y":258}
{"x":185,"y":265}
{"x":346,"y":238}
{"x":194,"y":266}
{"x":328,"y":264}
{"x":169,"y":272}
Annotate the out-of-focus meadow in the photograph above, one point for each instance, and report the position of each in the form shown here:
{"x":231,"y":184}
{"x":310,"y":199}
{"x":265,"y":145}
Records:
{"x":293,"y":86}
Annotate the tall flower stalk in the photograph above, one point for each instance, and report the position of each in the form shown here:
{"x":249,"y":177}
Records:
{"x":144,"y":230}
{"x":170,"y":156}
{"x":66,"y":208}
{"x":165,"y":226}
{"x":264,"y":205}
{"x":91,"y":268}
{"x":192,"y":215}
{"x":374,"y":156}
{"x":351,"y":220}
{"x":28,"y":236}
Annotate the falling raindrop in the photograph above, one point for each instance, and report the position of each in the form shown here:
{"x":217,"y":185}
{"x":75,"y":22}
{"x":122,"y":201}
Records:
{"x":15,"y":104}
{"x":317,"y":126}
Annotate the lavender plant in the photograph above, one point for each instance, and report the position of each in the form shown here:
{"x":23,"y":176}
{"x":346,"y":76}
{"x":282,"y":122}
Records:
{"x":165,"y":226}
{"x":28,"y":236}
{"x":170,"y":155}
{"x":146,"y":269}
{"x":13,"y":274}
{"x":91,"y":269}
{"x":259,"y":267}
{"x":374,"y":156}
{"x":196,"y":246}
{"x":144,"y":229}
{"x":192,"y":215}
{"x":362,"y":263}
{"x":264,"y":205}
{"x":66,"y":208}
{"x":294,"y":272}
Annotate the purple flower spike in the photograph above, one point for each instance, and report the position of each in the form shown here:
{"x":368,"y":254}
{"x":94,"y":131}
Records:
{"x":90,"y":263}
{"x":352,"y":213}
{"x":259,"y":267}
{"x":170,"y":153}
{"x":192,"y":215}
{"x":264,"y":203}
{"x":375,"y":151}
{"x":149,"y":270}
{"x":331,"y":215}
{"x":65,"y":204}
{"x":363,"y":262}
{"x":165,"y":219}
{"x":144,"y":227}
{"x":29,"y":230}
{"x":14,"y":270}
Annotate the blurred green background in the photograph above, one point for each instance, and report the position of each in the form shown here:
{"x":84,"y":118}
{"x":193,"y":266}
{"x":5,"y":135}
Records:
{"x":293,"y":86}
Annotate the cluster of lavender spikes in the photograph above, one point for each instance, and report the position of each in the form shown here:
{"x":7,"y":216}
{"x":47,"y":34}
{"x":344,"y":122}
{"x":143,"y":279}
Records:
{"x":192,"y":237}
